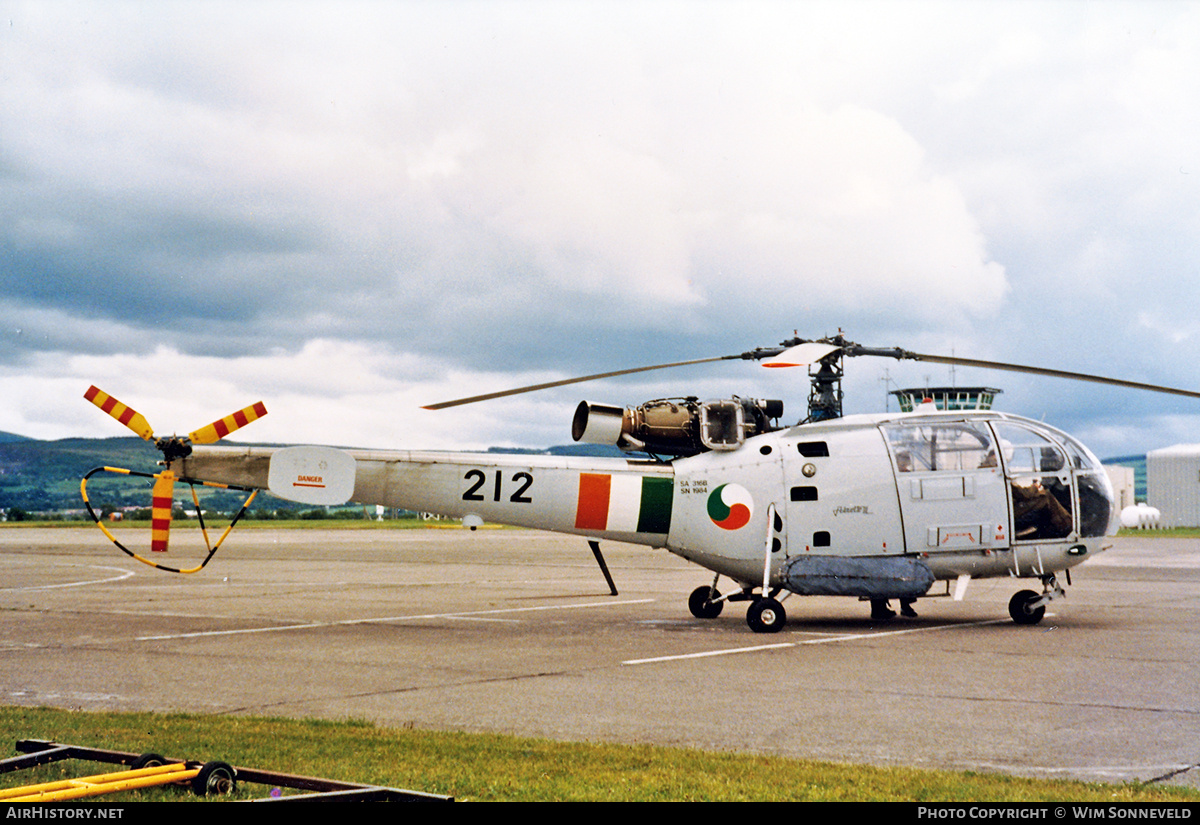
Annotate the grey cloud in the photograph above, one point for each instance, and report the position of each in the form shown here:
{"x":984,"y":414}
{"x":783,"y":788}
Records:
{"x":584,"y":187}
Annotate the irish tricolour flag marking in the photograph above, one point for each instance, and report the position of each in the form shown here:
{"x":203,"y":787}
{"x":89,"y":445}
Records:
{"x":624,"y":503}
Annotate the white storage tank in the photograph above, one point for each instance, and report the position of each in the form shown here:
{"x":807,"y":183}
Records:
{"x":1173,"y":484}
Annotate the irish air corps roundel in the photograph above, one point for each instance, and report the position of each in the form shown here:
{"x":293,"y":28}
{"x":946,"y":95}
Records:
{"x":730,"y":506}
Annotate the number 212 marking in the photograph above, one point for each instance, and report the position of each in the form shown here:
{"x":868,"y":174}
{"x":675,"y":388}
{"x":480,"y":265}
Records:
{"x":480,"y":478}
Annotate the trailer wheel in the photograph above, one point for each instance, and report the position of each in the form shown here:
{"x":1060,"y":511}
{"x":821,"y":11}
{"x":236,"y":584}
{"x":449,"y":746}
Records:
{"x":214,"y":778}
{"x":147,"y":760}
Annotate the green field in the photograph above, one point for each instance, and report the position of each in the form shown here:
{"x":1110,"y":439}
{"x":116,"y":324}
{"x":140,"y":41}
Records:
{"x":494,"y":768}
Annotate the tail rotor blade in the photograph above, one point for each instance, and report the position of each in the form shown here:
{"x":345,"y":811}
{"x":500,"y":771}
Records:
{"x":162,"y":502}
{"x":129,"y":417}
{"x":224,"y":426}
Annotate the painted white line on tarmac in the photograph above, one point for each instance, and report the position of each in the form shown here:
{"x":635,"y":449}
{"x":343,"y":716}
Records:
{"x":384,"y":620}
{"x":856,"y":636}
{"x":459,"y":618}
{"x":828,"y":640}
{"x":123,"y":574}
{"x":708,"y":653}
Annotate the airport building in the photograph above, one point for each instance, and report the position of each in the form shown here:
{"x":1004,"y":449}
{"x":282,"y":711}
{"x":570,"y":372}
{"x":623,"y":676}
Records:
{"x":1173,"y":484}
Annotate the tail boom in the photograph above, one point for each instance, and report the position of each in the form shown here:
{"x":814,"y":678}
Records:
{"x":615,"y":499}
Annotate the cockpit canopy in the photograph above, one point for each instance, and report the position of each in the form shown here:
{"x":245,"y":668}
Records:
{"x":1056,"y":484}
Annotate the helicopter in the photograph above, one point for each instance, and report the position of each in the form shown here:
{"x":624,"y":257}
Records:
{"x":874,"y":507}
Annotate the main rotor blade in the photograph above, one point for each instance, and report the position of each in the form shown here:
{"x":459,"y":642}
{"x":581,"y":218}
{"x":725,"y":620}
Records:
{"x":1074,"y":376}
{"x":131,"y":418}
{"x":802,"y":355}
{"x":533,"y":387}
{"x":224,"y":426}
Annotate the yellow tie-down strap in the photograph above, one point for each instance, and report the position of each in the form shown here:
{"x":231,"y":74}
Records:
{"x":161,"y":504}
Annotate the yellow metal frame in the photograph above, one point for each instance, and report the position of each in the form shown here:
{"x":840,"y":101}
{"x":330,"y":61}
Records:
{"x":103,"y":783}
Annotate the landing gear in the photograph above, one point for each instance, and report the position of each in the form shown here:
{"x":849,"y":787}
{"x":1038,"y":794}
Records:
{"x":705,"y":602}
{"x":1027,"y":607}
{"x":1021,"y":607}
{"x":766,"y":615}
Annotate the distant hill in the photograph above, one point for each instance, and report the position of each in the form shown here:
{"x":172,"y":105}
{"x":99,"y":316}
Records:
{"x":44,"y":475}
{"x":8,"y":438}
{"x":594,"y":450}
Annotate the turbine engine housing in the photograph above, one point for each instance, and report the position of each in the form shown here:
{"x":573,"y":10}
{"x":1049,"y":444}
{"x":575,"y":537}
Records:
{"x":675,"y":426}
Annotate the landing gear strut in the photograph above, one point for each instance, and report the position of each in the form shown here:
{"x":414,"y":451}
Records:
{"x":765,"y":614}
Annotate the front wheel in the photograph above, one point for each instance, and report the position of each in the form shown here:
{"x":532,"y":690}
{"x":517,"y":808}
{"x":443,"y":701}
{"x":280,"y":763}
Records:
{"x":1021,"y":609}
{"x":766,"y":616}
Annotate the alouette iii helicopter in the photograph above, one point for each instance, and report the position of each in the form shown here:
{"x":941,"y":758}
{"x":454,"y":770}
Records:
{"x":875,"y":507}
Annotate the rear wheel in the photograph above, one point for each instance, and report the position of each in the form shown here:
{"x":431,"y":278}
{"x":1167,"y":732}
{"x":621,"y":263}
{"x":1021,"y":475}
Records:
{"x":704,"y":603}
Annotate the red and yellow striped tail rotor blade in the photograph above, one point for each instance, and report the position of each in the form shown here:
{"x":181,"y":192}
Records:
{"x":162,"y":502}
{"x":130,"y":418}
{"x":224,"y":426}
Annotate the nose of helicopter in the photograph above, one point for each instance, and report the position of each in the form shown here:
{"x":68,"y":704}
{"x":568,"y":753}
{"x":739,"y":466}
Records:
{"x":1098,"y":513}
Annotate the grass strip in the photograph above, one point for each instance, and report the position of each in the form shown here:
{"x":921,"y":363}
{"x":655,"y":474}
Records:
{"x":498,"y":768}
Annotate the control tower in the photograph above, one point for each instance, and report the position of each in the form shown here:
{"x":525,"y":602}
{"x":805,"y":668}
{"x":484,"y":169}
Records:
{"x":947,"y":398}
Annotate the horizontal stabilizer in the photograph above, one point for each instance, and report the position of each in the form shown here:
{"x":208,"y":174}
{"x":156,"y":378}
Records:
{"x":312,"y":475}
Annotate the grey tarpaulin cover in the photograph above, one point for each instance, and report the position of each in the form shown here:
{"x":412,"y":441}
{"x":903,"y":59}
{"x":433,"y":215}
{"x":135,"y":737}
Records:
{"x":893,"y":577}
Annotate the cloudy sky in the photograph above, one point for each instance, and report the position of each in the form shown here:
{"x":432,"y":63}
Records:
{"x":351,"y":209}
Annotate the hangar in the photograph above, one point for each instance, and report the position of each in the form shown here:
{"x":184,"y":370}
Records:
{"x":1173,"y":484}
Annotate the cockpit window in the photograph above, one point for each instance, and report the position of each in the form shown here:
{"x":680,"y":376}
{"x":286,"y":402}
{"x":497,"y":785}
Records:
{"x":1098,"y":514}
{"x":1042,"y":471}
{"x":950,"y":447}
{"x":1041,"y":507}
{"x":1026,"y":451}
{"x":1080,"y":458}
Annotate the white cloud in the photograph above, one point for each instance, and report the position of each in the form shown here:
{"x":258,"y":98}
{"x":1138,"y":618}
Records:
{"x":323,"y":201}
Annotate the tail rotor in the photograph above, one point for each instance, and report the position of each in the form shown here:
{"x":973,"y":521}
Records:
{"x":172,"y":447}
{"x":224,"y":426}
